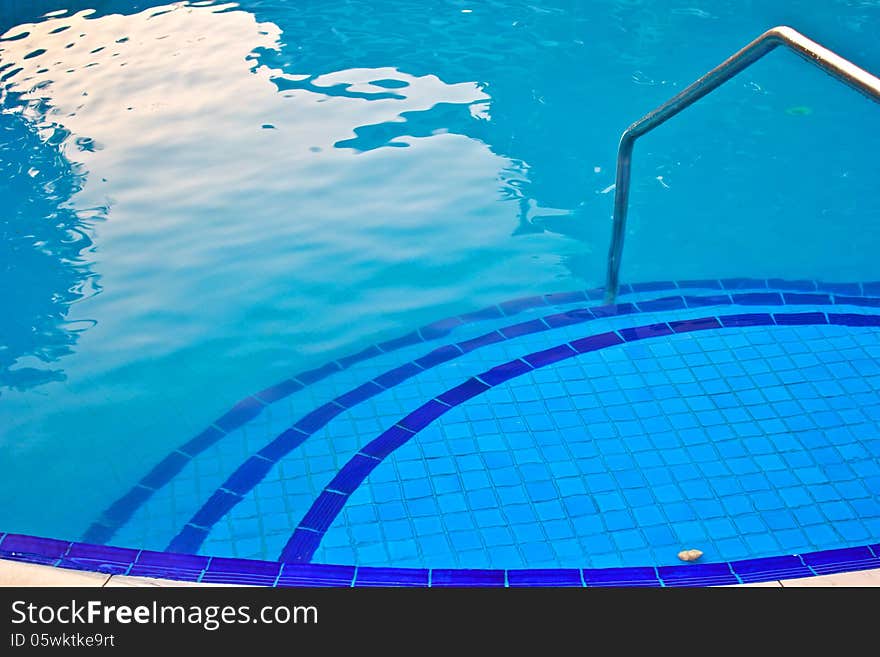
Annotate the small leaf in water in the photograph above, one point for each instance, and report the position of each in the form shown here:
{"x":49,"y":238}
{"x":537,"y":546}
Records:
{"x":799,"y":110}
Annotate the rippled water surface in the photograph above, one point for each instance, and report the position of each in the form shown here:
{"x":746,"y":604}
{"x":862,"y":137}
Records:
{"x":197,"y":199}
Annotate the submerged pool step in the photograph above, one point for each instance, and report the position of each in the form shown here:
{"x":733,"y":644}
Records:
{"x":645,"y":303}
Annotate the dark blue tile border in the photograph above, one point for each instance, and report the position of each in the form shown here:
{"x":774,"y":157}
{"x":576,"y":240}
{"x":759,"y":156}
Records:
{"x":445,"y":577}
{"x":165,"y":471}
{"x":315,"y":575}
{"x":279,"y":391}
{"x":188,"y":540}
{"x":802,"y":292}
{"x":629,"y":577}
{"x":185,"y":567}
{"x":242,"y":571}
{"x":370,"y":576}
{"x":353,"y":474}
{"x":556,"y":577}
{"x":100,"y":558}
{"x":252,"y":572}
{"x":770,"y":568}
{"x":841,"y":560}
{"x":697,"y":574}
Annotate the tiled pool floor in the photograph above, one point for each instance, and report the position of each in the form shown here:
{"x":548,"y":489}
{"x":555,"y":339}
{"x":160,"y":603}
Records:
{"x":739,"y":417}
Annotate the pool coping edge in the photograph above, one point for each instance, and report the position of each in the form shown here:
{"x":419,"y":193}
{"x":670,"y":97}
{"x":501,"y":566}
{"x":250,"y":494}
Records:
{"x":189,"y":568}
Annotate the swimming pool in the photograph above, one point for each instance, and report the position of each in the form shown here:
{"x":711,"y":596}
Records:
{"x":232,"y":232}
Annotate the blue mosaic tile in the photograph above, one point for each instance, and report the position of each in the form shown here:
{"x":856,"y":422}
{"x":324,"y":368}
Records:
{"x":123,"y":508}
{"x":424,"y":415}
{"x":279,"y":391}
{"x":319,"y":417}
{"x":524,"y":328}
{"x":188,"y":540}
{"x":849,"y":319}
{"x":806,"y":299}
{"x":462,"y":392}
{"x":352,"y":474}
{"x":491,"y":312}
{"x":202,"y":441}
{"x":688,"y":325}
{"x":248,"y":475}
{"x":440,"y":329}
{"x":562,"y":298}
{"x":799,"y":319}
{"x":569,"y":317}
{"x":20,"y":545}
{"x":853,"y":289}
{"x":758,"y":299}
{"x":480,"y":341}
{"x":242,"y":571}
{"x":652,"y":286}
{"x":639,"y":576}
{"x":643,"y":332}
{"x":505,"y":372}
{"x":98,"y":534}
{"x":841,"y":560}
{"x":26,"y":557}
{"x":857,"y":301}
{"x":185,"y":567}
{"x":707,"y":574}
{"x":315,"y":375}
{"x":397,"y":577}
{"x":657,"y":305}
{"x":746,"y":319}
{"x":595,"y":342}
{"x":614,"y":310}
{"x":707,"y":300}
{"x":244,"y":411}
{"x":100,"y":558}
{"x":359,"y":394}
{"x":324,"y":511}
{"x":286,"y":442}
{"x":549,"y":356}
{"x":439,"y":355}
{"x":516,"y":306}
{"x":389,"y":441}
{"x":401,"y":342}
{"x":469,"y":578}
{"x":365,"y":354}
{"x":301,"y":546}
{"x":781,"y":284}
{"x":217,"y":506}
{"x":397,"y":375}
{"x":293,"y":574}
{"x":743,"y":283}
{"x":707,"y":284}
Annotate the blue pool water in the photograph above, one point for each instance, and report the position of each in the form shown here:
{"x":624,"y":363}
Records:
{"x":201,"y":200}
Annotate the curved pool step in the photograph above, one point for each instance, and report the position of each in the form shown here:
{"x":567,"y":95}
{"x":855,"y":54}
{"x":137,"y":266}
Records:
{"x":741,"y":291}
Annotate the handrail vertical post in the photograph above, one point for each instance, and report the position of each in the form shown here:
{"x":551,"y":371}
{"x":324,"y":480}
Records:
{"x":621,"y":206}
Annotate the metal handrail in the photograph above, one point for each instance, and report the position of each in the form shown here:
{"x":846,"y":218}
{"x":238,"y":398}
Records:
{"x":830,"y":62}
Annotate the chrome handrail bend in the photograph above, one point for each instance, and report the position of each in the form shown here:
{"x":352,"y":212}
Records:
{"x":832,"y":63}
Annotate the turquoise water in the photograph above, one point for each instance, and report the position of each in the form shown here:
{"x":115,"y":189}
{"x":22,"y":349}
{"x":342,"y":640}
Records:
{"x":200,"y":199}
